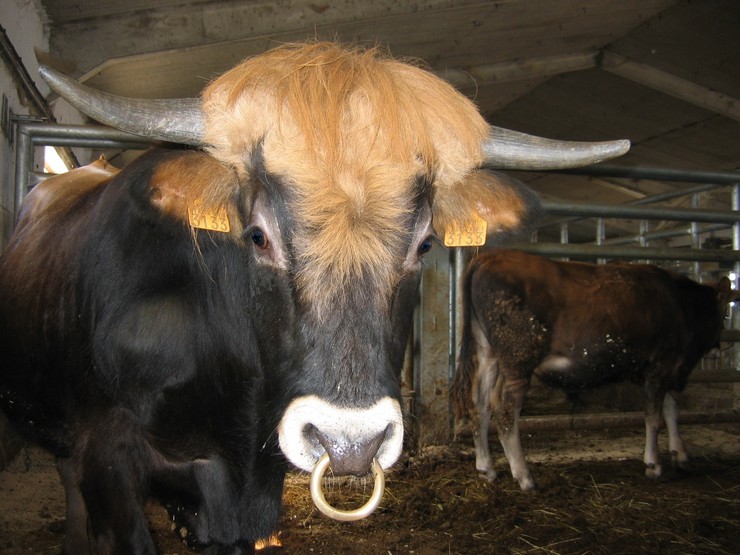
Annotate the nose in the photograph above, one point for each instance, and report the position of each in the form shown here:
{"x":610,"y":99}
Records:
{"x":349,"y":457}
{"x":352,"y":437}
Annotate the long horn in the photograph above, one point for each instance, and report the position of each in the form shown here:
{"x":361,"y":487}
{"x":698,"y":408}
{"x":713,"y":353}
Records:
{"x":510,"y":150}
{"x":176,"y":120}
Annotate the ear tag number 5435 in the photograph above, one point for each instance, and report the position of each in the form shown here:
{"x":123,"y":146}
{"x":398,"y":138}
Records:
{"x":471,"y":233}
{"x":213,"y":220}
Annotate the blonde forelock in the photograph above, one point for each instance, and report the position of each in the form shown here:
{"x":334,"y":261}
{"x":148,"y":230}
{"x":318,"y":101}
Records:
{"x":349,"y":130}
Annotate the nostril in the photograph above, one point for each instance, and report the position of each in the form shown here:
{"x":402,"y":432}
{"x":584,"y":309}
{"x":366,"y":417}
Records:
{"x":352,"y":437}
{"x":348,"y":457}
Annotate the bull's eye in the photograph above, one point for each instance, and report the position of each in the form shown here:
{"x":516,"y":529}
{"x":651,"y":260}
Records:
{"x":258,"y":237}
{"x":425,"y":246}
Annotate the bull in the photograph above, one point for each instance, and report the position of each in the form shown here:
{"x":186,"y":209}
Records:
{"x":185,"y":328}
{"x":574,"y":326}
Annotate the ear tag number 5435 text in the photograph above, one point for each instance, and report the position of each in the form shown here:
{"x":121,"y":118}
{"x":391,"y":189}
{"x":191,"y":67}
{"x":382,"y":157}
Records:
{"x":471,"y":233}
{"x":213,"y":220}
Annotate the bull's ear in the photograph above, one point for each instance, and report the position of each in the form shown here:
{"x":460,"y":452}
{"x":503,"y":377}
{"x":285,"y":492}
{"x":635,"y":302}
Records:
{"x":508,"y":206}
{"x":193,"y":180}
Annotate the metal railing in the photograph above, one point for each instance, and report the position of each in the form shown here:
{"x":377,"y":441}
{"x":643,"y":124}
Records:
{"x":30,"y":135}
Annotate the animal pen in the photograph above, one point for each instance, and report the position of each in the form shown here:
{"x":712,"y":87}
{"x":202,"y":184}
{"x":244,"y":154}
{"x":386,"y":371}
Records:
{"x":713,"y":394}
{"x":436,"y":505}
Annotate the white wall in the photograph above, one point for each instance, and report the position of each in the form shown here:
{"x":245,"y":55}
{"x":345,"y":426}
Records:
{"x":24,"y":27}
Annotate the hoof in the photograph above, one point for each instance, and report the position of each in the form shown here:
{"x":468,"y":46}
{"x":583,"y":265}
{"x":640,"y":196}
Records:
{"x":528,"y":485}
{"x":488,"y":475}
{"x":653,"y":471}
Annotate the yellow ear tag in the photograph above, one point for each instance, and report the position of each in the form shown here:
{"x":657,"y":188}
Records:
{"x":471,"y":233}
{"x":213,"y":220}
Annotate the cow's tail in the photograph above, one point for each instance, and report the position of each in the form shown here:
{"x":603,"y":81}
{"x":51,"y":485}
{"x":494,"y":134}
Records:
{"x":461,"y":389}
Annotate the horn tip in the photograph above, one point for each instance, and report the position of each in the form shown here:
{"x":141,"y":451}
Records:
{"x":51,"y":76}
{"x":622,"y":146}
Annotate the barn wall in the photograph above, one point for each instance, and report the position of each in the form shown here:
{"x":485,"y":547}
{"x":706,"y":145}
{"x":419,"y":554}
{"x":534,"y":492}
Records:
{"x":24,"y":30}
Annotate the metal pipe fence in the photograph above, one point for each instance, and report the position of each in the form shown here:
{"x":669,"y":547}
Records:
{"x":30,"y":135}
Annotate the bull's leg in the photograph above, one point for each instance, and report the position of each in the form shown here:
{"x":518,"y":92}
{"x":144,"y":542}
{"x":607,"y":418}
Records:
{"x":75,"y":528}
{"x":675,"y":443}
{"x":507,"y":410}
{"x":653,"y":418}
{"x":216,"y":519}
{"x":115,"y":461}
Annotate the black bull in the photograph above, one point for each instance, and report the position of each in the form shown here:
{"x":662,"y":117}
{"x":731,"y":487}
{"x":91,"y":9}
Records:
{"x":575,"y":326}
{"x":157,"y":360}
{"x":153,"y":360}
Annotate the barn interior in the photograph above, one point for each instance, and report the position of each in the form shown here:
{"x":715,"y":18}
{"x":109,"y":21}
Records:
{"x":664,"y":74}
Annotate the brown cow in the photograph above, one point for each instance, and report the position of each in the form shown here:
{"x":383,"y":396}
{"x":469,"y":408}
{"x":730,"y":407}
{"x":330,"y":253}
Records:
{"x":575,"y":326}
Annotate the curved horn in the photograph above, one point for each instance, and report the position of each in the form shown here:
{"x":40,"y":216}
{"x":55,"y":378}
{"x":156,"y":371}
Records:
{"x":177,"y":120}
{"x":510,"y":150}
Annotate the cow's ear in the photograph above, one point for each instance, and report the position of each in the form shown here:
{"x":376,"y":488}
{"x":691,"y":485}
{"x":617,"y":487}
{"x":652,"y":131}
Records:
{"x":193,"y":180}
{"x":508,"y":206}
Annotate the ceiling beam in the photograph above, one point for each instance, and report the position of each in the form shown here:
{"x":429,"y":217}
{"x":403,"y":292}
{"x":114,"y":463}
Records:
{"x":669,"y":84}
{"x":518,"y":70}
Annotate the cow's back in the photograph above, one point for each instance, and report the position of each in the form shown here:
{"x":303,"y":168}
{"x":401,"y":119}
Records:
{"x":580,"y":325}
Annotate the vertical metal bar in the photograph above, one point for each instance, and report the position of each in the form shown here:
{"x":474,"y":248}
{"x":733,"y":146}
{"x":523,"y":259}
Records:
{"x":644,"y":241}
{"x":735,"y":315}
{"x":564,"y":237}
{"x":695,"y":240}
{"x":564,"y":233}
{"x":600,"y":233}
{"x":452,"y":321}
{"x":23,"y":162}
{"x":458,"y":263}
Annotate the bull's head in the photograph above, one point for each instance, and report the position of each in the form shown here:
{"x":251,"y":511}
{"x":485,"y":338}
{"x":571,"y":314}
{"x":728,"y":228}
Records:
{"x":348,"y":163}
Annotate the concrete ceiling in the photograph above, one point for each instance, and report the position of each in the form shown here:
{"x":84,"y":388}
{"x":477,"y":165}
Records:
{"x":663,"y":73}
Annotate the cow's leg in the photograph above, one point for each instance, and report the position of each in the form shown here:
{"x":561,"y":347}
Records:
{"x":486,"y":380}
{"x":675,"y":443}
{"x":483,"y":391}
{"x":115,"y":460}
{"x":653,"y":419}
{"x":75,"y":528}
{"x":507,"y":410}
